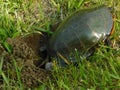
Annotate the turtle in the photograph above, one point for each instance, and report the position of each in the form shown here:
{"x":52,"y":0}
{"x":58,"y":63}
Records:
{"x":80,"y":32}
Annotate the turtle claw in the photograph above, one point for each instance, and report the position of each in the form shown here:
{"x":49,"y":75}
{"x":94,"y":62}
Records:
{"x":48,"y":66}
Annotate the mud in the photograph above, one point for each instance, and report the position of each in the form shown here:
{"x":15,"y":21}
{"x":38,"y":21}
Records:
{"x":26,"y":56}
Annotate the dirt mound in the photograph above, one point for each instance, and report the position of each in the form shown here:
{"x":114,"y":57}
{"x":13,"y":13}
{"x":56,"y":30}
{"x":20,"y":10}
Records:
{"x":27,"y":57}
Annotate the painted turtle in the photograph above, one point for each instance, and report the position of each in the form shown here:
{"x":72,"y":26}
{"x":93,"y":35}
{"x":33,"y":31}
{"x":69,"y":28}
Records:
{"x":81,"y":31}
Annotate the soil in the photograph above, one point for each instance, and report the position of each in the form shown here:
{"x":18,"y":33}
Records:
{"x":26,"y":54}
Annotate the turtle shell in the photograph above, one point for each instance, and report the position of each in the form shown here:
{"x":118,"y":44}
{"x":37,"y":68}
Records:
{"x":80,"y":31}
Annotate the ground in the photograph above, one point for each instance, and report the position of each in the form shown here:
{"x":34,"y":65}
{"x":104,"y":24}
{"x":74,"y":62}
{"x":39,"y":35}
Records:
{"x":27,"y":57}
{"x":22,"y":67}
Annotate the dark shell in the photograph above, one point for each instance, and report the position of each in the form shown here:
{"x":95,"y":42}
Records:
{"x":82,"y":30}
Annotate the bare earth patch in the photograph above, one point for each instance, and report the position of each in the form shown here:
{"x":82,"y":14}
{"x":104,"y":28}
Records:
{"x":26,"y":50}
{"x":27,"y":57}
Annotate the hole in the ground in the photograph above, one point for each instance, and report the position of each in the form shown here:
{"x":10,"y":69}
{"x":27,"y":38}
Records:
{"x":39,"y":64}
{"x":43,"y":54}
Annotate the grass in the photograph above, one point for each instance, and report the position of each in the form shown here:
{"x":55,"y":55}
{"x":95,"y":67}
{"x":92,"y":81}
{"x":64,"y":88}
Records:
{"x":7,"y":81}
{"x":100,"y":72}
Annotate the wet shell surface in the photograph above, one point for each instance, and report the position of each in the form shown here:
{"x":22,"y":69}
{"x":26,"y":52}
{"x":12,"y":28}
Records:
{"x":80,"y":31}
